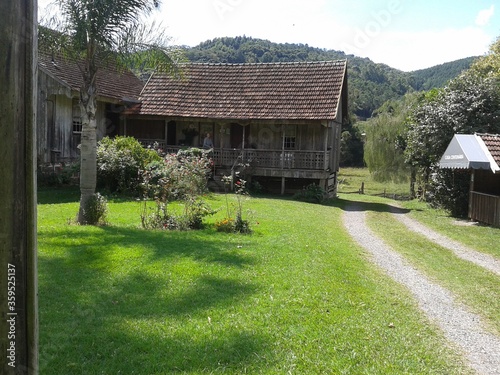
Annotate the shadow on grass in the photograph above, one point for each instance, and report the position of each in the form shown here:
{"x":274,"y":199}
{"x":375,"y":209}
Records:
{"x":92,"y":245}
{"x":354,"y":205}
{"x":219,"y":352}
{"x":91,"y":300}
{"x":56,"y":195}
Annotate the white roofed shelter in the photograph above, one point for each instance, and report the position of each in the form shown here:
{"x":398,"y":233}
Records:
{"x":479,"y":153}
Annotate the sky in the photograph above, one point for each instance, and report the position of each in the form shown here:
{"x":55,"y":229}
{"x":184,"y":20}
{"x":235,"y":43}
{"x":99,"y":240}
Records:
{"x":404,"y":34}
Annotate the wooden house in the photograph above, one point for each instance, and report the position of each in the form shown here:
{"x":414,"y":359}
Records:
{"x":58,"y":112}
{"x":481,"y":154}
{"x":282,"y":120}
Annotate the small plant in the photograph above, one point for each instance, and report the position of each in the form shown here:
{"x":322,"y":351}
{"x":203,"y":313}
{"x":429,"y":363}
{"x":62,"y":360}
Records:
{"x":256,"y":187}
{"x":225,"y":225}
{"x":238,"y":225}
{"x":311,"y":193}
{"x":96,"y":210}
{"x":241,"y":225}
{"x":194,"y":212}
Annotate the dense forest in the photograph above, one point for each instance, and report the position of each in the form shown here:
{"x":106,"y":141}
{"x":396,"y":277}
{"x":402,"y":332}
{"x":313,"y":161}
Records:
{"x":370,"y":84}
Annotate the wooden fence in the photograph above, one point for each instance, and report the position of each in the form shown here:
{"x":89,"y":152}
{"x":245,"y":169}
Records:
{"x":288,"y":159}
{"x":484,"y":208}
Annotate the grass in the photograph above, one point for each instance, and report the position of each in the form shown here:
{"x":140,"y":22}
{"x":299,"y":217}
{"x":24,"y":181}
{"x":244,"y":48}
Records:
{"x":477,"y":287}
{"x":480,"y":237}
{"x":351,"y":179}
{"x":296,"y":296}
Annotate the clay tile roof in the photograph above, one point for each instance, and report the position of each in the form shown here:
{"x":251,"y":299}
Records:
{"x":309,"y":90}
{"x":111,"y":83}
{"x":492,"y":142}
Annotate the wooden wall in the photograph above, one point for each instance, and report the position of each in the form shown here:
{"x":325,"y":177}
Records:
{"x":487,"y":182}
{"x":55,"y":138}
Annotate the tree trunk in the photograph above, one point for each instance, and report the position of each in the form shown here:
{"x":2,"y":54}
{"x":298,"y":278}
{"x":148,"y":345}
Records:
{"x":88,"y":152}
{"x":413,"y":180}
{"x":18,"y":273}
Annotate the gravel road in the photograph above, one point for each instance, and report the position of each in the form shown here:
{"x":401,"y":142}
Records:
{"x":461,"y":327}
{"x":466,"y":253}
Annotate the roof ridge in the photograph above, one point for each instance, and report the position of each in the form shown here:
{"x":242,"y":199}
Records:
{"x":488,"y":135}
{"x":495,"y":168}
{"x":338,"y":61}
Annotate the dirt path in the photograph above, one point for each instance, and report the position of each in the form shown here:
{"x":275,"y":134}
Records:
{"x":461,"y":327}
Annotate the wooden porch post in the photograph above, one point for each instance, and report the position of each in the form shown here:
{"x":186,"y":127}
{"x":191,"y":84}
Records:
{"x":166,"y":133}
{"x":18,"y":249}
{"x":325,"y":162}
{"x":283,"y":179}
{"x":471,"y":189}
{"x":243,"y":145}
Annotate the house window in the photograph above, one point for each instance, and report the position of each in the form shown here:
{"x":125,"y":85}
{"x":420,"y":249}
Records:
{"x":77,"y":117}
{"x":289,"y":137}
{"x":289,"y":143}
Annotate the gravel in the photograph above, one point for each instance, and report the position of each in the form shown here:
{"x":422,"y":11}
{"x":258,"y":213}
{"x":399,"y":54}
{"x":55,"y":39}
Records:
{"x":463,"y":252}
{"x":461,"y":327}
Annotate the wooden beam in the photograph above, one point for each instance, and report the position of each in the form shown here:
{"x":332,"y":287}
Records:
{"x":471,"y":189}
{"x":18,"y":257}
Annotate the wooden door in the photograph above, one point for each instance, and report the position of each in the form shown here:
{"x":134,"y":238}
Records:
{"x":236,"y":137}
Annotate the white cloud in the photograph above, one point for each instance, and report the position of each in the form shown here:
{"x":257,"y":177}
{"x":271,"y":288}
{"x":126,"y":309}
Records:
{"x":274,"y":20}
{"x":418,"y":50}
{"x":484,"y":16}
{"x":321,"y":24}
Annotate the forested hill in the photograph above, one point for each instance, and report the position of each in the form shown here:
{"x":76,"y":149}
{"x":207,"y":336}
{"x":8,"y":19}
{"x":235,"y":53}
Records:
{"x":439,"y":75}
{"x":370,"y":84}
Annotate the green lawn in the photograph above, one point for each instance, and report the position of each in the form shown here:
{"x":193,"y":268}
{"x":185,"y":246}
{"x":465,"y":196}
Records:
{"x":480,"y":237}
{"x":351,"y":180}
{"x":296,"y":296}
{"x":482,"y":295}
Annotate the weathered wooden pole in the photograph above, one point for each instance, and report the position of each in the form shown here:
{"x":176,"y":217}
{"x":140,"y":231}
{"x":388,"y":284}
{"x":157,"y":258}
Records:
{"x":18,"y":256}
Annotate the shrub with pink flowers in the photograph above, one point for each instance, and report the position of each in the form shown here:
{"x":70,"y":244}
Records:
{"x":178,"y":177}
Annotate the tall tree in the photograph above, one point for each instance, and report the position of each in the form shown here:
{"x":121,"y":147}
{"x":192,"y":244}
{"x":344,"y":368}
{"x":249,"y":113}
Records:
{"x":95,"y":33}
{"x":468,"y":104}
{"x":386,"y":140}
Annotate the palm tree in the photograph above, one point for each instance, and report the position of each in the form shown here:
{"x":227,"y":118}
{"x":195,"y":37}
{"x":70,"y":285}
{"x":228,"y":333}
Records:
{"x":95,"y":33}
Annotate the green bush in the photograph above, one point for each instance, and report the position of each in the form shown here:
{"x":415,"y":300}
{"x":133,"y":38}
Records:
{"x":59,"y":176}
{"x":449,"y":189}
{"x":96,"y":210}
{"x":311,"y":193}
{"x":119,"y":163}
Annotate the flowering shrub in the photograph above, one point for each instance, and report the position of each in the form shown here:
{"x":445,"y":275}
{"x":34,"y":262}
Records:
{"x":225,"y":225}
{"x":178,"y":177}
{"x":158,"y":217}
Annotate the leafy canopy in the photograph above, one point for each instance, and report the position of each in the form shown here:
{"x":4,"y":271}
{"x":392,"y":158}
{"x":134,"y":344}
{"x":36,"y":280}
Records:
{"x":114,"y":32}
{"x":468,"y":104}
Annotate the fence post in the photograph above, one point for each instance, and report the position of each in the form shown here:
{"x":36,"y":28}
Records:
{"x":18,"y":259}
{"x":362,"y":190}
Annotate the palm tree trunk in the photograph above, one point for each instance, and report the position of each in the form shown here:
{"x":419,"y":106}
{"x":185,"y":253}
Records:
{"x":88,"y":150}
